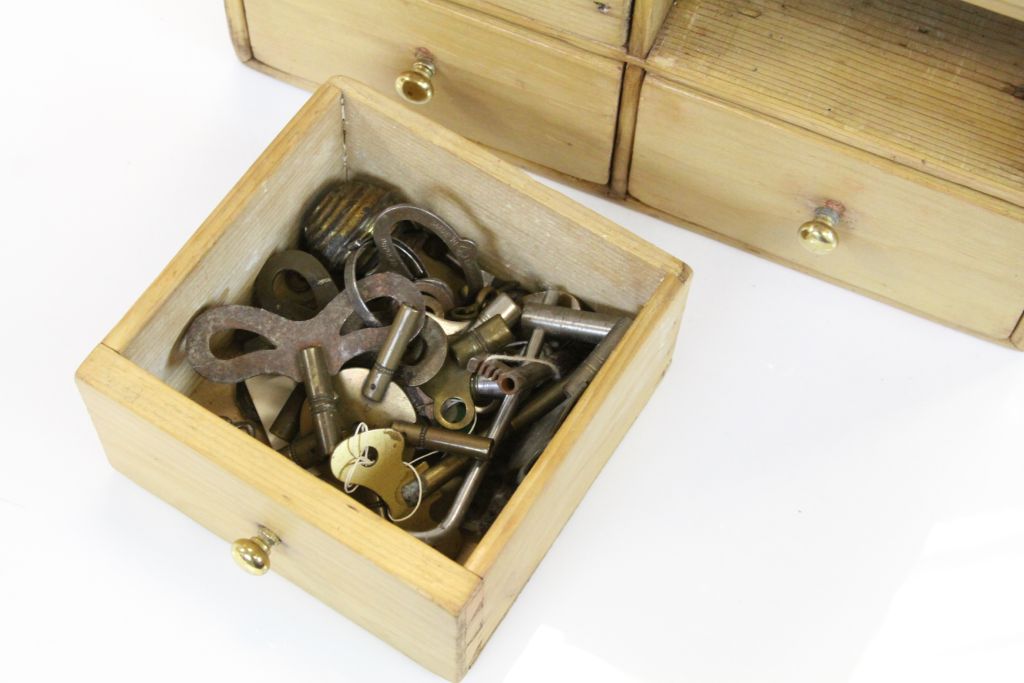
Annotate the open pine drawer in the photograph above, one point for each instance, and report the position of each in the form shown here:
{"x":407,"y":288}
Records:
{"x":137,"y":383}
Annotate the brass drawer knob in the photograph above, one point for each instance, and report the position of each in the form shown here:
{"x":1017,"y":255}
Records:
{"x":253,"y":554}
{"x":819,"y":235}
{"x":416,"y":86}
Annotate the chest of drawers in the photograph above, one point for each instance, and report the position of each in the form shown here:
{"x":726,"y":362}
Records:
{"x":738,"y":118}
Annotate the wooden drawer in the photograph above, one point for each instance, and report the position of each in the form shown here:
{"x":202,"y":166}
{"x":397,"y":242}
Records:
{"x":137,"y":383}
{"x":939,"y":249}
{"x":512,"y":89}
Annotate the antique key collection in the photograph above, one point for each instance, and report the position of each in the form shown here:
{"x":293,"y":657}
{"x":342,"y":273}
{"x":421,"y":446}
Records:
{"x":425,"y":387}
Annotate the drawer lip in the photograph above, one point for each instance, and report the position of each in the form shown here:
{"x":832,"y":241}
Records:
{"x":125,"y":383}
{"x":648,"y":183}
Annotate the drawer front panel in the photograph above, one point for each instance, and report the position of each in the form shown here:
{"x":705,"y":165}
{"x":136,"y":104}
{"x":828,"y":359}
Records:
{"x":931,"y":246}
{"x":495,"y":83}
{"x":604,"y":22}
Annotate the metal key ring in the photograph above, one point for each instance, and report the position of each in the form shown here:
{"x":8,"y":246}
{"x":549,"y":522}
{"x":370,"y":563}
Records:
{"x":290,"y":337}
{"x":464,"y":250}
{"x":350,"y":277}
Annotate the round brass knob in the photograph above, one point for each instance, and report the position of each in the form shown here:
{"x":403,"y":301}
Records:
{"x":819,"y":235}
{"x":253,"y":554}
{"x":416,"y":85}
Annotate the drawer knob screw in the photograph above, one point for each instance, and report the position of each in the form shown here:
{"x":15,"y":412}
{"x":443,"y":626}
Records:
{"x":416,"y":86}
{"x":253,"y":554}
{"x":819,"y":235}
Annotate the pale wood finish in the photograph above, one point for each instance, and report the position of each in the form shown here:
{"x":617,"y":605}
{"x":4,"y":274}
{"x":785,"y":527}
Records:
{"x":239,"y":28}
{"x":340,"y":552}
{"x":496,"y":83}
{"x":515,"y":545}
{"x":933,"y":246}
{"x":1017,"y":338}
{"x":604,"y":22}
{"x":927,"y":83}
{"x":1011,"y":8}
{"x":648,"y":17}
{"x":434,"y":609}
{"x":622,"y":156}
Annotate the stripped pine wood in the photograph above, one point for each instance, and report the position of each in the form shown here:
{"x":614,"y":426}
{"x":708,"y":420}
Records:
{"x":648,"y":17}
{"x":1011,"y":8}
{"x":622,"y":156}
{"x":936,"y":85}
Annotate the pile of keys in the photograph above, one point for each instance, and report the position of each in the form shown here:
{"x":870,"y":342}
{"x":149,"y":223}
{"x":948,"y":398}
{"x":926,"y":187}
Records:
{"x":428,"y":386}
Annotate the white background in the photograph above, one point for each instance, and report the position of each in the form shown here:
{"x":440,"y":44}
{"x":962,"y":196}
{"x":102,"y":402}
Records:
{"x":823,"y":488}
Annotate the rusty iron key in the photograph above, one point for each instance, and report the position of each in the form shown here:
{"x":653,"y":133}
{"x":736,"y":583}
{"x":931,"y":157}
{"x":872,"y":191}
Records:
{"x":307,"y":351}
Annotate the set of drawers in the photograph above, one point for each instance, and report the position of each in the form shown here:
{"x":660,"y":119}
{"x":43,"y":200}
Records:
{"x":737,"y":117}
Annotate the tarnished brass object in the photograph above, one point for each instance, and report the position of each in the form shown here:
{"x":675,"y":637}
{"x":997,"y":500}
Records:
{"x":435,"y":477}
{"x":286,"y":424}
{"x":304,"y":451}
{"x":407,"y":323}
{"x":492,"y":335}
{"x":454,"y":407}
{"x":416,"y":86}
{"x":426,"y":437}
{"x":819,"y":235}
{"x":323,"y":401}
{"x":293,"y":284}
{"x":572,"y":386}
{"x":342,"y":217}
{"x":503,"y":305}
{"x":253,"y":554}
{"x":383,"y":472}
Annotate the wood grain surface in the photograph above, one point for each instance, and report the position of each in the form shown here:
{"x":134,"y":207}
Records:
{"x":937,"y":85}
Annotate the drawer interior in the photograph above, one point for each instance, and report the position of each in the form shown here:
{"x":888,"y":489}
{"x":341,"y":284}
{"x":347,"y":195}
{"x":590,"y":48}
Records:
{"x":936,"y":85}
{"x":519,"y":234}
